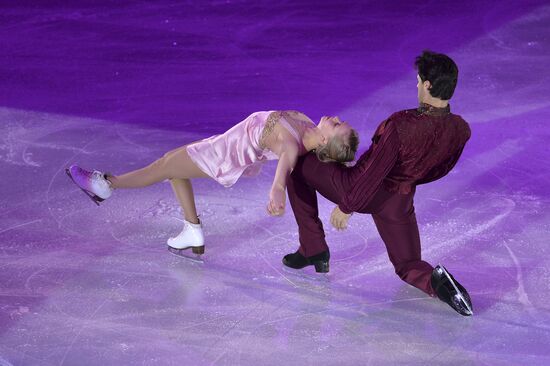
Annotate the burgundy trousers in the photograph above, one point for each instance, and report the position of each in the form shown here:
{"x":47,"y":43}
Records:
{"x":393,"y":214}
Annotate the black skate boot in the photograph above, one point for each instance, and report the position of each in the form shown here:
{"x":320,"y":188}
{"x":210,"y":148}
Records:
{"x":450,"y":291}
{"x":298,"y":261}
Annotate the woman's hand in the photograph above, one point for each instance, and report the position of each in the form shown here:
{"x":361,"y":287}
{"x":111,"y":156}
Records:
{"x":338,"y":219}
{"x":277,"y":201}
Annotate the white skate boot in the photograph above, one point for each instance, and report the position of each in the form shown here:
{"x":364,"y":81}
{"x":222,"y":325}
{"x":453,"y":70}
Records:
{"x":190,"y":237}
{"x":93,"y":184}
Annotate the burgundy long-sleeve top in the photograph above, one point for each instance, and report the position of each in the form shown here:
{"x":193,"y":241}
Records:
{"x":411,"y":147}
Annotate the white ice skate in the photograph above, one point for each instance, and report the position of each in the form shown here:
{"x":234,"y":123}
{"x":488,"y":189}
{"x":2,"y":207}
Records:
{"x":93,"y":183}
{"x":190,"y":237}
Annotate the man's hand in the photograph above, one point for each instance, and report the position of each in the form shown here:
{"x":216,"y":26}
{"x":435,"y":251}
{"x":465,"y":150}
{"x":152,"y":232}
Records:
{"x":338,"y":219}
{"x":277,"y":201}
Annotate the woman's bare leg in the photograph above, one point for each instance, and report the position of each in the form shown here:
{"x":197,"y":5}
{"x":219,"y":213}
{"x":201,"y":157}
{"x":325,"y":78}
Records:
{"x":184,"y":192}
{"x":175,"y":165}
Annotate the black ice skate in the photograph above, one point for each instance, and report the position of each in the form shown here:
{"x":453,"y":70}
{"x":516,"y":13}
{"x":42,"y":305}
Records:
{"x":298,"y":261}
{"x":450,"y":291}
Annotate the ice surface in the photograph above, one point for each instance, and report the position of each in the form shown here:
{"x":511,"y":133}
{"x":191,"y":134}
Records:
{"x":113,"y":86}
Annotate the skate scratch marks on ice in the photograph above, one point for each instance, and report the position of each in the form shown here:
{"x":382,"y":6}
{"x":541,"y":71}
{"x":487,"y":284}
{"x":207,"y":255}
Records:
{"x":61,"y":168}
{"x":31,"y":276}
{"x":79,"y":332}
{"x":19,"y":225}
{"x":269,"y":314}
{"x":87,"y":320}
{"x":273,"y":236}
{"x":522,"y":295}
{"x":490,"y":171}
{"x":279,"y":272}
{"x":380,"y":262}
{"x":247,"y":314}
{"x":129,"y":244}
{"x":336,"y":308}
{"x":361,"y":251}
{"x":4,"y":362}
{"x":141,"y":148}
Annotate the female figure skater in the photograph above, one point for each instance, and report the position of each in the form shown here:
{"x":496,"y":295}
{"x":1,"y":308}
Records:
{"x":262,"y":136}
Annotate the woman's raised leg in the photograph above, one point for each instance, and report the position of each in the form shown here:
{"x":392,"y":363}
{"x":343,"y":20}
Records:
{"x":174,"y":164}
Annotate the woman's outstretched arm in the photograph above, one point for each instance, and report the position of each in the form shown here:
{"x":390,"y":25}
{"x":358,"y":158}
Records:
{"x":288,"y":150}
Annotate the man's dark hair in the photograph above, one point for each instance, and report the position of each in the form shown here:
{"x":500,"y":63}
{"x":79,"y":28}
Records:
{"x":440,"y":71}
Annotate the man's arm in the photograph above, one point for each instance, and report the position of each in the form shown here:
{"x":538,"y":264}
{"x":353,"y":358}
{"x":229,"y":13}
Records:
{"x":367,"y":175}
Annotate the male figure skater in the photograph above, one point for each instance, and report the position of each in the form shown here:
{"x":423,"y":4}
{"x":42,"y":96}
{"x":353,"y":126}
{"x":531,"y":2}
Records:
{"x":411,"y":147}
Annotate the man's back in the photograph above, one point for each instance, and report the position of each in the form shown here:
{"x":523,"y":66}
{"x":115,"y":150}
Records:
{"x":430,"y":142}
{"x":411,"y":147}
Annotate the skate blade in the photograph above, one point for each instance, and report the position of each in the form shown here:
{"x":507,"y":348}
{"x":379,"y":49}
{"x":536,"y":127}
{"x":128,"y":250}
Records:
{"x":183,"y":253}
{"x":458,"y":299}
{"x":300,"y":274}
{"x":93,"y":197}
{"x":461,"y":305}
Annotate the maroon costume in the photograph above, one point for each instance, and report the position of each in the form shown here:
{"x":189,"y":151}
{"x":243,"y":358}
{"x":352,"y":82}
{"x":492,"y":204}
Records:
{"x":411,"y":147}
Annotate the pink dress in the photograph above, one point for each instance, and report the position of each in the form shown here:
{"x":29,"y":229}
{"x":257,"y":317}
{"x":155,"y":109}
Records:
{"x":237,"y":152}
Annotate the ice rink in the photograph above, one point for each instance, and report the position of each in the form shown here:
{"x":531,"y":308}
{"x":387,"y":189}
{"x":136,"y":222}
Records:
{"x":114,"y":85}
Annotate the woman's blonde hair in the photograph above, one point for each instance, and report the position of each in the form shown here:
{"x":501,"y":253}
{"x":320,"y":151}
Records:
{"x":339,"y":149}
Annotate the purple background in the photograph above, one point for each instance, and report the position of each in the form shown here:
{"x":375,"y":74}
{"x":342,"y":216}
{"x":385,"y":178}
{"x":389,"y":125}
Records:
{"x":114,"y":85}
